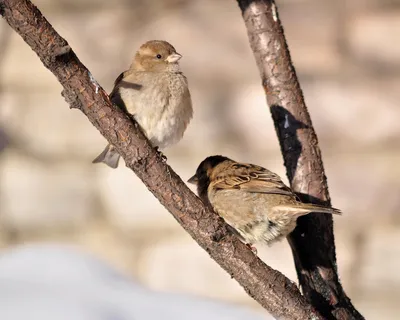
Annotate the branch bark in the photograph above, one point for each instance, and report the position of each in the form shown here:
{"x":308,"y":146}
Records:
{"x":312,"y":242}
{"x":270,"y":288}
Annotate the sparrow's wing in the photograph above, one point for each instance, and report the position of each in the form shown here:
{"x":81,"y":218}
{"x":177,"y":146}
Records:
{"x":139,"y":92}
{"x":251,"y":178}
{"x":116,"y":83}
{"x":115,"y":96}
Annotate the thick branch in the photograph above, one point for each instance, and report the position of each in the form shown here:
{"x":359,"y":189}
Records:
{"x":270,"y":288}
{"x":312,"y":241}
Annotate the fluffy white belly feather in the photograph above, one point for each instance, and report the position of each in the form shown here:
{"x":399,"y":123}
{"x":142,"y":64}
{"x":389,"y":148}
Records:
{"x":163,"y":108}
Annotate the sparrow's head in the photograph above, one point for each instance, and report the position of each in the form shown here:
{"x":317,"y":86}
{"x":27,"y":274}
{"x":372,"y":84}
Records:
{"x":156,"y":56}
{"x":206,"y":172}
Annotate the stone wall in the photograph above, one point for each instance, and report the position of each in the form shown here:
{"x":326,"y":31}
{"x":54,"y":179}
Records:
{"x":347,"y":54}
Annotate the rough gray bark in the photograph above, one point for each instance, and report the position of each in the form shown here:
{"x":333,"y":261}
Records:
{"x":270,"y":288}
{"x":312,"y":242}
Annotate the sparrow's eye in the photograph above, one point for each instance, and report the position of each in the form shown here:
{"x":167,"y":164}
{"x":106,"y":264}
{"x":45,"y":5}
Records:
{"x":158,"y":56}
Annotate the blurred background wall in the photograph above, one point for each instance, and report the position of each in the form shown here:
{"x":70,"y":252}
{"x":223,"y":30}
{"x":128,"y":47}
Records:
{"x":347,"y":55}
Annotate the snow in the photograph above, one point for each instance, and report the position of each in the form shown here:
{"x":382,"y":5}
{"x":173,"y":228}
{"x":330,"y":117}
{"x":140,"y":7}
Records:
{"x":58,"y":282}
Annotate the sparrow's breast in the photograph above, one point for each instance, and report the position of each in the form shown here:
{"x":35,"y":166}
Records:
{"x":161,"y":104}
{"x":175,"y":115}
{"x":248,"y":213}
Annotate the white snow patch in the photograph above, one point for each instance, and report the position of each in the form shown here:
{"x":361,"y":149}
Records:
{"x":57,"y":282}
{"x":274,"y":13}
{"x":95,"y":83}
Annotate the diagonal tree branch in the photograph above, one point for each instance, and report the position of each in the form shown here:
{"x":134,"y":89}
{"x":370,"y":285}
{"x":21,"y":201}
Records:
{"x":312,"y":242}
{"x":270,"y":288}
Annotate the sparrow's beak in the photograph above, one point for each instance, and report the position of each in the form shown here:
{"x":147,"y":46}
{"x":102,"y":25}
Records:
{"x":172,"y":58}
{"x":193,"y":180}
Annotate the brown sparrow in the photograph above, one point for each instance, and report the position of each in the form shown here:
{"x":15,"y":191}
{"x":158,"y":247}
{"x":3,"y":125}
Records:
{"x":155,"y":92}
{"x":251,"y":199}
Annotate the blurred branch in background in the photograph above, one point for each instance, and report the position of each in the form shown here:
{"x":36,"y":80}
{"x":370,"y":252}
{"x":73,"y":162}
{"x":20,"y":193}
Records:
{"x":270,"y":288}
{"x":3,"y":139}
{"x":312,"y":241}
{"x":4,"y":45}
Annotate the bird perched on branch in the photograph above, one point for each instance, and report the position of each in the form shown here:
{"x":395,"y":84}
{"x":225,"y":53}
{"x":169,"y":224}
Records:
{"x":251,"y":199}
{"x":155,"y":92}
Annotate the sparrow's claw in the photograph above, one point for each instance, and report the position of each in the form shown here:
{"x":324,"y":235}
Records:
{"x":163,"y":157}
{"x":252,"y":248}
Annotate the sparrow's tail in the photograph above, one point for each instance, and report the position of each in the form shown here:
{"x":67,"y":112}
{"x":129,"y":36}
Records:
{"x":109,"y":156}
{"x":310,"y":207}
{"x":302,"y":209}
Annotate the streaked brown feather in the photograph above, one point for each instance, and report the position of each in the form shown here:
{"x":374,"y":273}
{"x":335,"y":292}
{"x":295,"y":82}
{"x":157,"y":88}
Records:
{"x":250,"y":178}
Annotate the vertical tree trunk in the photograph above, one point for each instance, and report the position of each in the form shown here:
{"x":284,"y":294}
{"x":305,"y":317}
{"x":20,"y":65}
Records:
{"x":312,"y":242}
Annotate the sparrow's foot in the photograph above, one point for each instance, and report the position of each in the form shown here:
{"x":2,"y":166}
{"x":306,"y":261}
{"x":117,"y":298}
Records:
{"x":252,"y":248}
{"x":163,"y":156}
